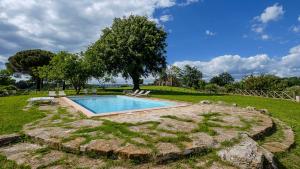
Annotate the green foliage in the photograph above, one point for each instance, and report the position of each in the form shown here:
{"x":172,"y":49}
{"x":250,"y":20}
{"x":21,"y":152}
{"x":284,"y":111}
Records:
{"x":27,"y":62}
{"x":190,"y":76}
{"x":212,"y":88}
{"x":293,"y":90}
{"x":67,"y":67}
{"x":263,"y":82}
{"x":5,"y":77}
{"x":292,"y":81}
{"x":133,"y":46}
{"x":222,"y":79}
{"x":169,"y":77}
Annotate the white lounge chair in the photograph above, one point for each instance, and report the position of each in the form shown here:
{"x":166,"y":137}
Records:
{"x":41,"y":99}
{"x":142,"y":91}
{"x":143,"y":94}
{"x":62,"y":94}
{"x":133,"y":93}
{"x":94,"y":91}
{"x":52,"y":94}
{"x":85,"y":91}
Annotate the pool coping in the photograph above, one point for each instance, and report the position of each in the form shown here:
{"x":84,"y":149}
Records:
{"x":89,"y":113}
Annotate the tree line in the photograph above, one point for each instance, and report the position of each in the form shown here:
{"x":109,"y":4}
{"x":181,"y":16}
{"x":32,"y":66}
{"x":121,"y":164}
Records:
{"x":191,"y":77}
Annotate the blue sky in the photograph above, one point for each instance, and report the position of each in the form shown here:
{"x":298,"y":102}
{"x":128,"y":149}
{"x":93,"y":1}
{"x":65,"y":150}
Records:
{"x":230,"y":21}
{"x":241,"y":37}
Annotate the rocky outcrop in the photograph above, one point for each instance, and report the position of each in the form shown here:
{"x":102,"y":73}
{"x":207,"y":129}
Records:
{"x":248,"y":155}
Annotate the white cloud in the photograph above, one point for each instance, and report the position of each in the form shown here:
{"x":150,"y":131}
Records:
{"x":210,"y":33}
{"x":188,"y":2}
{"x":62,"y":24}
{"x":296,"y":29}
{"x":271,"y":13}
{"x":3,"y":59}
{"x":258,"y":28}
{"x":299,"y":18}
{"x":239,"y":66}
{"x":166,"y":18}
{"x":265,"y":37}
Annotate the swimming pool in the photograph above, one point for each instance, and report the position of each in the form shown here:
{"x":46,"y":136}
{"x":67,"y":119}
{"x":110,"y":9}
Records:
{"x":117,"y":104}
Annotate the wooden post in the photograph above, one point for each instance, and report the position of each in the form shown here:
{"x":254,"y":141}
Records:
{"x":297,"y":98}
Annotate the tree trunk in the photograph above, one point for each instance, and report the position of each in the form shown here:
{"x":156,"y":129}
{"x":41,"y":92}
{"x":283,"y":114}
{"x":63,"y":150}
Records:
{"x":136,"y":82}
{"x":64,"y":85}
{"x":42,"y":83}
{"x":38,"y":84}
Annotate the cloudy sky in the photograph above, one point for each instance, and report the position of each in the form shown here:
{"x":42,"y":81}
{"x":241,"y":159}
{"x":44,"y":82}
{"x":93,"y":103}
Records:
{"x":241,"y":37}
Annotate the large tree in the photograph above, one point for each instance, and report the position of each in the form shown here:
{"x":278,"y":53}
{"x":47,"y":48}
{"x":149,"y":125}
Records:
{"x":191,"y":76}
{"x":27,"y":62}
{"x":67,"y":67}
{"x":133,"y":46}
{"x":222,"y":79}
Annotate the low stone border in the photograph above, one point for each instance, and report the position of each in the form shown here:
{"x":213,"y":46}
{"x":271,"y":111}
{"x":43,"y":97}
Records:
{"x":284,"y":145}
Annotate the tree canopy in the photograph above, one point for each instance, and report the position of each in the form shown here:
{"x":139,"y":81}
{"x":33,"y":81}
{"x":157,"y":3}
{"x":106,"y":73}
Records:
{"x":27,"y":62}
{"x":133,"y":47}
{"x":67,"y":67}
{"x":191,"y":76}
{"x":263,"y":82}
{"x":222,"y":79}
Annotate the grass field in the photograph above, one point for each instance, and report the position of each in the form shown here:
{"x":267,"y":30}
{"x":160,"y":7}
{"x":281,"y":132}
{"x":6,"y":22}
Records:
{"x":12,"y":117}
{"x":287,"y":111}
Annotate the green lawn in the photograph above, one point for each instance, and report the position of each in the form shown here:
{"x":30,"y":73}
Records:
{"x":12,"y":117}
{"x":287,"y":111}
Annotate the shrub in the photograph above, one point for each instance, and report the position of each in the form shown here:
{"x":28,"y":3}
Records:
{"x":3,"y":92}
{"x":9,"y":87}
{"x":23,"y":84}
{"x":293,"y":90}
{"x":212,"y":88}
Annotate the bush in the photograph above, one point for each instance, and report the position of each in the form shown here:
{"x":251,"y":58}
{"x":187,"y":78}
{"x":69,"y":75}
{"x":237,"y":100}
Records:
{"x":212,"y":88}
{"x":22,"y":84}
{"x":9,"y":87}
{"x":3,"y":92}
{"x":293,"y":90}
{"x":230,"y":88}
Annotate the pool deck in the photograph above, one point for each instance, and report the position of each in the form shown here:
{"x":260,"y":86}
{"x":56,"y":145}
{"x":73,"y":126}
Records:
{"x":89,"y":113}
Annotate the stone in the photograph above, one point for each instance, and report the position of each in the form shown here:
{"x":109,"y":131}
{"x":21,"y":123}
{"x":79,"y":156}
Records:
{"x":19,"y":152}
{"x":234,"y":104}
{"x":9,"y":138}
{"x":136,"y":153}
{"x":85,"y":123}
{"x":246,"y":154}
{"x":45,"y":159}
{"x":167,"y":151}
{"x":175,"y":125}
{"x":201,"y":142}
{"x":225,"y":134}
{"x":250,"y":108}
{"x":73,"y":146}
{"x":205,"y":102}
{"x":139,"y":140}
{"x":102,"y":147}
{"x":264,"y":111}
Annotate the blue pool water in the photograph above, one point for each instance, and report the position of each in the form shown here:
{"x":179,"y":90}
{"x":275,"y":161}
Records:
{"x":106,"y":104}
